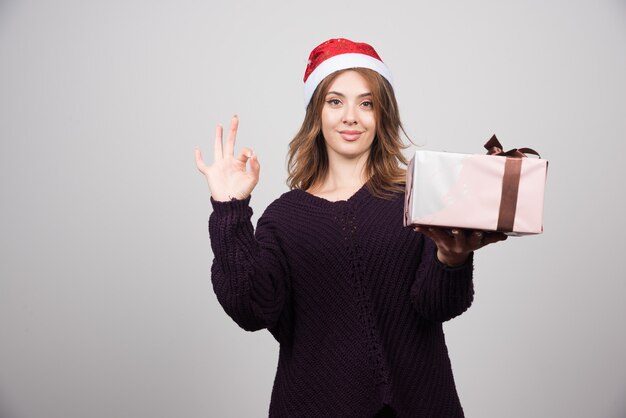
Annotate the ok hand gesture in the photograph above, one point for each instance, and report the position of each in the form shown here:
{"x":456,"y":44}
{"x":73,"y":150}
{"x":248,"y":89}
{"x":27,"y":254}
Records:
{"x":228,"y":177}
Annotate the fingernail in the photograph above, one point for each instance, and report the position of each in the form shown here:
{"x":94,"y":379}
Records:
{"x":455,"y":231}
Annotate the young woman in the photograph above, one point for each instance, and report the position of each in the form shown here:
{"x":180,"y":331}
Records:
{"x":355,"y":299}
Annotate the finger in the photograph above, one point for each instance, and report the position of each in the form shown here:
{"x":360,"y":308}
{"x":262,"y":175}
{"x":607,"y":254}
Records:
{"x":459,"y":238}
{"x":232,"y":136}
{"x":255,"y":167}
{"x":494,"y":237}
{"x":217,"y":147}
{"x":424,"y":230}
{"x":244,"y":155}
{"x":475,"y":239}
{"x":199,"y":161}
{"x":440,"y":237}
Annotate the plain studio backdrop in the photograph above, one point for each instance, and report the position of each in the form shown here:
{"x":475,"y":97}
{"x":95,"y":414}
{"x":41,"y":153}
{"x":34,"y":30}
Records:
{"x":106,"y":305}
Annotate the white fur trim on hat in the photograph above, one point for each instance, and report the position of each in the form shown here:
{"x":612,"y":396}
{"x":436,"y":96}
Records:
{"x":342,"y":62}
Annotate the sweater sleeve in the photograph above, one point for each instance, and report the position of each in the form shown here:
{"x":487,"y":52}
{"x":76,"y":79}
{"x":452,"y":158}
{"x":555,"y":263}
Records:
{"x":249,"y":273}
{"x":440,"y":293}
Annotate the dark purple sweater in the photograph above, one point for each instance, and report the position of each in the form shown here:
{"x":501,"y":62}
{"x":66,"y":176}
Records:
{"x":355,"y":299}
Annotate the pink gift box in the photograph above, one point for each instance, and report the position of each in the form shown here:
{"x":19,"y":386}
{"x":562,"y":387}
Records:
{"x":501,"y":192}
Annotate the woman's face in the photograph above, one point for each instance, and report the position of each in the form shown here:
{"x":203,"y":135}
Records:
{"x":348,"y":120}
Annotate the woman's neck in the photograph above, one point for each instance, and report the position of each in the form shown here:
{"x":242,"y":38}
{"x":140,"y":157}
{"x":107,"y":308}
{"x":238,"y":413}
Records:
{"x":343,"y":179}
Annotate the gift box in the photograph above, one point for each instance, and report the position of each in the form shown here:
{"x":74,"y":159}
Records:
{"x":500,"y":191}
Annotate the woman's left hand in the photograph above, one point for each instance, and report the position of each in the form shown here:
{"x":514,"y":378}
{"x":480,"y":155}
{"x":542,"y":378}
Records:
{"x":455,"y":245}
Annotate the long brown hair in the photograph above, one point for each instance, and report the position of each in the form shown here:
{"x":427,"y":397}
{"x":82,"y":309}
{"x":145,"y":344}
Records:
{"x":308,"y":159}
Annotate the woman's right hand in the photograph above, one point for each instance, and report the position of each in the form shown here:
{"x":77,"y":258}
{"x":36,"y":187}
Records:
{"x":228,"y":177}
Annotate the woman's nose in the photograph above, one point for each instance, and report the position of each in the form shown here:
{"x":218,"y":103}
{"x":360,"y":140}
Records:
{"x":349,"y":118}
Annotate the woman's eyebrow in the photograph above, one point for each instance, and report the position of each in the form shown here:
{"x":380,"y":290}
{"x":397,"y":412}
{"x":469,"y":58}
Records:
{"x":336,"y":93}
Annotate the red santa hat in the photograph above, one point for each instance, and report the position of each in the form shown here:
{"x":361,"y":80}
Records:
{"x":340,"y":54}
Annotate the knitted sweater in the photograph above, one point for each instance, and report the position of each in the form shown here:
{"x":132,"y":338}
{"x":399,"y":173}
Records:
{"x":355,"y":299}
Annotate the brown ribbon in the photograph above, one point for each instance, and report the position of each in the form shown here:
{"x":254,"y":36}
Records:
{"x":510,"y":180}
{"x":494,"y":147}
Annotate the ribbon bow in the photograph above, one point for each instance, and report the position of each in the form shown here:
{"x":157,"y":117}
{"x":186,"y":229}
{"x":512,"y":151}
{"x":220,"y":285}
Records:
{"x":494,"y":147}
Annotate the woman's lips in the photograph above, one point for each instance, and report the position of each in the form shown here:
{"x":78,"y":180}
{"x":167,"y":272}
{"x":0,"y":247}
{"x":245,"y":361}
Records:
{"x":350,"y":135}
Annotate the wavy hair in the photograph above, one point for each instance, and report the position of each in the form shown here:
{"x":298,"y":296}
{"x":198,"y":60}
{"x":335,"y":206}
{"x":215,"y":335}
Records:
{"x":307,"y":162}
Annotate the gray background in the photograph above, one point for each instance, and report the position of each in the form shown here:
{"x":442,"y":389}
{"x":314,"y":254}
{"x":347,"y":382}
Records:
{"x":106,"y":308}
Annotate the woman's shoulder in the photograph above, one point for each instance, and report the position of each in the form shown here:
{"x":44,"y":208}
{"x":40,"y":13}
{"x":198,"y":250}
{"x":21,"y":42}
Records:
{"x":285,"y":203}
{"x":290,"y":212}
{"x":288,"y":197}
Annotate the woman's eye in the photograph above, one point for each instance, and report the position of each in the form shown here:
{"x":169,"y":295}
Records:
{"x":334,"y":102}
{"x":367,"y":104}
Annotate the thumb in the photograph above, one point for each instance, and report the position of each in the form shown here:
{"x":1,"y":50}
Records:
{"x":255,"y":167}
{"x":244,"y":155}
{"x":199,"y":161}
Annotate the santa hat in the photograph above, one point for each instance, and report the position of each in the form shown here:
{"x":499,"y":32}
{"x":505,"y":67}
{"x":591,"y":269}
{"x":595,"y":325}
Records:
{"x":340,"y":54}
